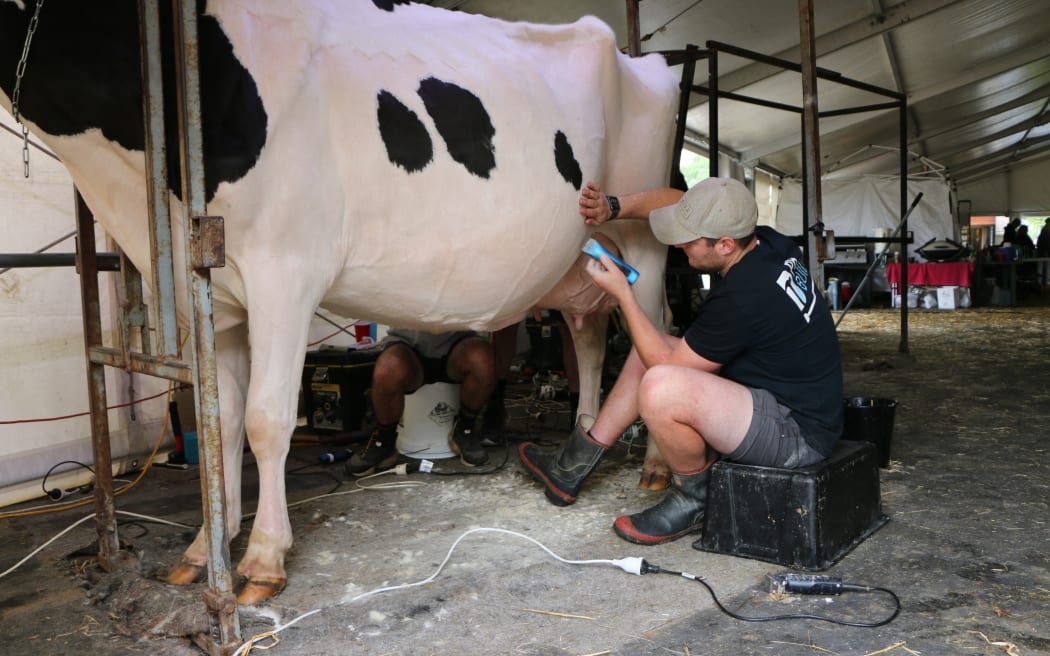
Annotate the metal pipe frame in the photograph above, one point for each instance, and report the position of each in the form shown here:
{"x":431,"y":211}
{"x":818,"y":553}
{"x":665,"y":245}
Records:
{"x":110,"y":555}
{"x":134,"y":317}
{"x":163,"y":273}
{"x":688,"y":71}
{"x":821,"y":73}
{"x":220,"y":598}
{"x":810,"y":169}
{"x":103,"y":261}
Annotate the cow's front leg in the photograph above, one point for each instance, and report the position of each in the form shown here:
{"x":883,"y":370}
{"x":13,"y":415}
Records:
{"x":269,"y":433}
{"x":232,"y":375}
{"x":278,"y":330}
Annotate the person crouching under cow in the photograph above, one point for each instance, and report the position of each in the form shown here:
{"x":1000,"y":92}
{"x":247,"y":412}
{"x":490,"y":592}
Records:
{"x":411,"y":359}
{"x":757,"y":377}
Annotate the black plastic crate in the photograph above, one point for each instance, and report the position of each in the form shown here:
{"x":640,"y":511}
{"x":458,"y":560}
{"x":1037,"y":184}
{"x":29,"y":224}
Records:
{"x":804,"y":518}
{"x":335,"y":387}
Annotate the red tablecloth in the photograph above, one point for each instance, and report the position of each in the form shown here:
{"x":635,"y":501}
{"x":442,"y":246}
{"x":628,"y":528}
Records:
{"x":933,"y":273}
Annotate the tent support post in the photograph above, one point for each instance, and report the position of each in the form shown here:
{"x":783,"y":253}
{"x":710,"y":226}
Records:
{"x":634,"y":36}
{"x":903,"y":113}
{"x":813,"y":228}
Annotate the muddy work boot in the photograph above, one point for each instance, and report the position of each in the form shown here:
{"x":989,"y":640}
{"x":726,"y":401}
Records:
{"x":379,"y":454}
{"x":465,"y":442}
{"x":562,"y":472}
{"x":679,"y":513}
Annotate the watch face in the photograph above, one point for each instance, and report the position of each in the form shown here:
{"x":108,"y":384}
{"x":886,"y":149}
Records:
{"x":614,"y":205}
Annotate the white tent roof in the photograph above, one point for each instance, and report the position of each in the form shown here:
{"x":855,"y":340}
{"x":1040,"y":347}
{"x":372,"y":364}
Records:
{"x":976,"y":75}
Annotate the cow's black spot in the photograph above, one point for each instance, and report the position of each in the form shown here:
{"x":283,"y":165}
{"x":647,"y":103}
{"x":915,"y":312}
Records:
{"x":388,"y":5}
{"x":462,"y":122}
{"x":566,"y":161}
{"x":83,"y":73}
{"x":407,"y":143}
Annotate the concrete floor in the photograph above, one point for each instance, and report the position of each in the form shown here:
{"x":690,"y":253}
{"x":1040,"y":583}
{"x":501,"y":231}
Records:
{"x":967,"y":547}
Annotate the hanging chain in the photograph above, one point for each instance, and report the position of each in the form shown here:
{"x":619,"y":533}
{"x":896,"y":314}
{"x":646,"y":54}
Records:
{"x":19,"y":74}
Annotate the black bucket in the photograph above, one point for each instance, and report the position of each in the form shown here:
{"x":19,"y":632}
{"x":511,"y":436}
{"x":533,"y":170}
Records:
{"x":870,"y":420}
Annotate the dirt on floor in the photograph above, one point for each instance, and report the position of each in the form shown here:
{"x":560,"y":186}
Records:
{"x":965,"y":549}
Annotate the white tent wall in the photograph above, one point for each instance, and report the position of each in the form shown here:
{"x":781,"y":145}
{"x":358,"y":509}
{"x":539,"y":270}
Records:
{"x":767,"y":195}
{"x":42,"y":344}
{"x":857,"y":207}
{"x":1022,"y":189}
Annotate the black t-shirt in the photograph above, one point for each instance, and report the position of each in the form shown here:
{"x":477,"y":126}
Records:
{"x":770,"y":329}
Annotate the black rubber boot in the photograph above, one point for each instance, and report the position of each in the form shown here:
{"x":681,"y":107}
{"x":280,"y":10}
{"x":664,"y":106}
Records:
{"x":466,"y":443}
{"x":679,"y":513}
{"x":380,"y":453}
{"x":495,"y":418}
{"x":563,"y":472}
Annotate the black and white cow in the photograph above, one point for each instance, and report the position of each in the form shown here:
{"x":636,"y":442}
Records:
{"x":381,"y":159}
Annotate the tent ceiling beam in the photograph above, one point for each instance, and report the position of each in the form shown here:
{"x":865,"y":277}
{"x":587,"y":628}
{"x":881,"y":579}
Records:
{"x":895,"y":68}
{"x":1036,"y":94}
{"x":1025,"y":141}
{"x":975,"y":168}
{"x":1027,"y":54}
{"x":829,"y":42}
{"x":1020,"y":130}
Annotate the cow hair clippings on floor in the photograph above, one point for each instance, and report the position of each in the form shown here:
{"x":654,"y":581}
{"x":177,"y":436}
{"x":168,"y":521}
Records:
{"x":779,"y":584}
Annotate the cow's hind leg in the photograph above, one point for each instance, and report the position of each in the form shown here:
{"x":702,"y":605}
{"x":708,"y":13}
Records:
{"x":641,"y":249}
{"x":588,"y":338}
{"x":656,"y":475}
{"x":232,"y":371}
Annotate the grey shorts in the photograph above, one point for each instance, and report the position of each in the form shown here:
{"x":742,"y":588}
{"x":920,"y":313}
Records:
{"x":773,"y":439}
{"x":435,"y":369}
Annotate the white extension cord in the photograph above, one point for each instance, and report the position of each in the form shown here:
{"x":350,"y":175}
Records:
{"x":631,"y":565}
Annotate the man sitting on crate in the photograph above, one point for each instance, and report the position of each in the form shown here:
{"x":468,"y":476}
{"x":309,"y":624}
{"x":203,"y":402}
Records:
{"x":411,"y":359}
{"x":756,"y":378}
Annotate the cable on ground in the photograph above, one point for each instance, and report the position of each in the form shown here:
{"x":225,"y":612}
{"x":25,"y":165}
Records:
{"x":797,"y":584}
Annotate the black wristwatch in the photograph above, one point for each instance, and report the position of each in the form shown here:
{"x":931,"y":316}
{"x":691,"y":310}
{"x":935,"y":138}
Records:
{"x":614,"y":206}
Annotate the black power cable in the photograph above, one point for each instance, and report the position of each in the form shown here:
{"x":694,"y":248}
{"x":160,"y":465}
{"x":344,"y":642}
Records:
{"x":797,"y":584}
{"x":56,"y":494}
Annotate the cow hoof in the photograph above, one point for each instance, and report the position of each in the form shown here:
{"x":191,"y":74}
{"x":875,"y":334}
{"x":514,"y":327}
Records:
{"x":654,"y":481}
{"x":185,"y":572}
{"x":258,"y":590}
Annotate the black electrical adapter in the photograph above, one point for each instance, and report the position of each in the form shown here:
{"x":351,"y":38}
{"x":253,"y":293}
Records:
{"x":807,"y":584}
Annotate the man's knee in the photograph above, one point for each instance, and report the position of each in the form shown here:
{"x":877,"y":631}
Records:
{"x":656,"y":389}
{"x":474,"y":356}
{"x":394,"y":366}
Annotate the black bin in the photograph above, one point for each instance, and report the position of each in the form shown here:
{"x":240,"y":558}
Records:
{"x":806,"y":518}
{"x":335,"y":386}
{"x":870,"y":419}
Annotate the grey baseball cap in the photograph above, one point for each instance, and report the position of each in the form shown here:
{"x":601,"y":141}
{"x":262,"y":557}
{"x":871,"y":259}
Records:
{"x":715,"y":207}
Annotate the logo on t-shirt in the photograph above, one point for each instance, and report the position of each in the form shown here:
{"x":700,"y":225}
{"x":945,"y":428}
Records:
{"x":795,"y":282}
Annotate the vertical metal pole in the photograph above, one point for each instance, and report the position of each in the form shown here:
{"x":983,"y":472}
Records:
{"x":202,"y":329}
{"x":134,"y":316}
{"x":712,"y":110}
{"x":810,"y":134}
{"x":162,"y":274}
{"x":807,"y":246}
{"x":684,"y":92}
{"x":634,"y":37}
{"x":903,"y":119}
{"x":109,"y":555}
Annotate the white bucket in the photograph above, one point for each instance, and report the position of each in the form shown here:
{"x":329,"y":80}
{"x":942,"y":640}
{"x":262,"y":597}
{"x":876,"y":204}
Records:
{"x":429,"y":413}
